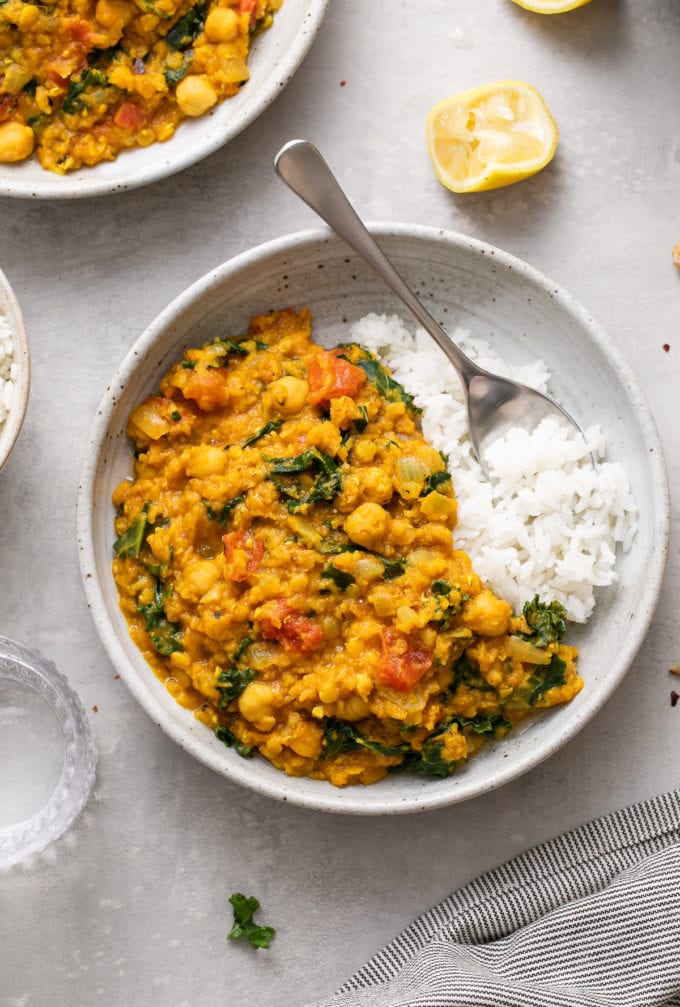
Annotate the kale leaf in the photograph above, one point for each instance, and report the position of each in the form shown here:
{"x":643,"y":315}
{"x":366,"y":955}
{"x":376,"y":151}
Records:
{"x":434,"y":481}
{"x":326,"y":475}
{"x":173,"y":77}
{"x":386,"y":385}
{"x":270,"y":427}
{"x":548,"y":622}
{"x":74,"y":96}
{"x":244,"y":910}
{"x":342,"y":736}
{"x":485,"y":723}
{"x":340,"y":578}
{"x":130,"y":542}
{"x":228,"y":738}
{"x":221,"y":515}
{"x":165,"y":635}
{"x":546,"y":677}
{"x":231,"y":683}
{"x":393,"y":568}
{"x":188,"y":28}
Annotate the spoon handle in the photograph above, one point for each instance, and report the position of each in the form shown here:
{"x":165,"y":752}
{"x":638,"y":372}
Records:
{"x":304,"y":170}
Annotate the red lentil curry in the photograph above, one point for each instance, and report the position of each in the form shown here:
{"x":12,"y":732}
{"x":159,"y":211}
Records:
{"x":286,"y":565}
{"x":81,"y":80}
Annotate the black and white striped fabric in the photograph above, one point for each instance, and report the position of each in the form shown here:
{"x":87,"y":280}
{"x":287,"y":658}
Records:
{"x":590,"y":919}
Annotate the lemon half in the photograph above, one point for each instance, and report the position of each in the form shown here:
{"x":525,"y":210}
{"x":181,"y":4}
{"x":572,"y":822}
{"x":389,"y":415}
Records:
{"x":490,"y":136}
{"x":550,"y":6}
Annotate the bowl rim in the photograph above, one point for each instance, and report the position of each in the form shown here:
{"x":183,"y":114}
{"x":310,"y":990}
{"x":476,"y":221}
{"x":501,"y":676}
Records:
{"x":10,"y":430}
{"x":344,"y":801}
{"x":83,"y":182}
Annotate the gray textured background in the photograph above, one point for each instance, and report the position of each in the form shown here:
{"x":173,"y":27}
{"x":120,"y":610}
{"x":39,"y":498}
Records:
{"x":131,"y":906}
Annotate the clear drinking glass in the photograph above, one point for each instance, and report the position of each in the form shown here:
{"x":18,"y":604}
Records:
{"x":47,"y":757}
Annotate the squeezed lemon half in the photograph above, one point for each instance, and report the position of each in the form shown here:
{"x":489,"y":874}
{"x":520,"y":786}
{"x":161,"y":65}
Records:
{"x":551,"y":6}
{"x":490,"y":136}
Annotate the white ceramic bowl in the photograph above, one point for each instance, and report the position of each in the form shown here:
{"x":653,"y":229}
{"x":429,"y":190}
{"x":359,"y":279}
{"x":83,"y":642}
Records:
{"x":9,"y":430}
{"x":274,"y":58}
{"x":464,"y":282}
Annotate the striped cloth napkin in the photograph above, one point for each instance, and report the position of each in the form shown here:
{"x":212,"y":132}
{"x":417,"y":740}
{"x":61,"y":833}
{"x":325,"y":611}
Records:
{"x":590,"y":919}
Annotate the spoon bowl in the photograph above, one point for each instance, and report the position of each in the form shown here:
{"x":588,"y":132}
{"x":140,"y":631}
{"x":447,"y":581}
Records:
{"x":494,"y":404}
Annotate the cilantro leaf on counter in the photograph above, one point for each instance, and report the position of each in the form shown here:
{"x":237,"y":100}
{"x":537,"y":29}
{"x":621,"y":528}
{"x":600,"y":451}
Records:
{"x":244,"y":925}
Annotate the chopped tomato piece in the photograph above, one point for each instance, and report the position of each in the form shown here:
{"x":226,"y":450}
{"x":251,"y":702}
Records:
{"x":403,"y":660}
{"x":244,"y":552}
{"x":207,"y":389}
{"x":330,"y":376}
{"x":7,"y":105}
{"x":130,"y":115}
{"x":79,"y":29}
{"x":296,"y":633}
{"x":249,"y":7}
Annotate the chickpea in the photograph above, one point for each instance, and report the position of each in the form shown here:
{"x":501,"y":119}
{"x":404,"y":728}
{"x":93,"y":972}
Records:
{"x":367,"y":525}
{"x":112,"y":12}
{"x":16,"y":142}
{"x":487,"y":615}
{"x":255,"y":705}
{"x":221,"y":25}
{"x":206,"y":460}
{"x":195,"y":95}
{"x":28,"y":16}
{"x":289,"y":394}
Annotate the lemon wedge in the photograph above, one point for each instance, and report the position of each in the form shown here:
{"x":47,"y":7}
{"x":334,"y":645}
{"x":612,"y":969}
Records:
{"x":550,"y":6}
{"x":490,"y":136}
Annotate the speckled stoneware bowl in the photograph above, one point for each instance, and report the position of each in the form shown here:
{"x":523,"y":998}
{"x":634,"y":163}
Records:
{"x":463,"y":282}
{"x":275,"y":56}
{"x":10,"y":429}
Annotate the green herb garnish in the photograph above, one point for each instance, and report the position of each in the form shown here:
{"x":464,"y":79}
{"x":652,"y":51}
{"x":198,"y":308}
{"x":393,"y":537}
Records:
{"x":244,"y":910}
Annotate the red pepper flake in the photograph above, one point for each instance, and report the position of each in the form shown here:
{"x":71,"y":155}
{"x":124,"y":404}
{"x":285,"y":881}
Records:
{"x":95,"y":709}
{"x":666,"y":347}
{"x":675,"y":696}
{"x":343,"y":83}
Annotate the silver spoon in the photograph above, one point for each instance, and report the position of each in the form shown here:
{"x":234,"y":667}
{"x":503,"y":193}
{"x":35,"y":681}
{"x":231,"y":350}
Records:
{"x":494,"y":404}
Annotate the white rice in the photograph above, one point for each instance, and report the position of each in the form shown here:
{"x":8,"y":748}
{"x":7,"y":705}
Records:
{"x":548,"y":521}
{"x":8,"y":369}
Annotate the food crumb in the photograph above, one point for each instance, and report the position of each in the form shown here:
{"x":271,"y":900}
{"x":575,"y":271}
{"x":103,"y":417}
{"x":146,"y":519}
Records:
{"x":666,"y":347}
{"x":95,"y":709}
{"x":116,"y":678}
{"x":343,"y":83}
{"x":676,"y":255}
{"x":675,"y":696}
{"x":675,"y":670}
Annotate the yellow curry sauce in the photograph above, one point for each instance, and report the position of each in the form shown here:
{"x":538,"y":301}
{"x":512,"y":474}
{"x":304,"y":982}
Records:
{"x":286,"y":565}
{"x":81,"y":80}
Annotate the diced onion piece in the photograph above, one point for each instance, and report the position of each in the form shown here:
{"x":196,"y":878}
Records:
{"x":368,"y":568}
{"x":522,"y":650}
{"x":149,"y":421}
{"x":304,"y":529}
{"x":411,"y":469}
